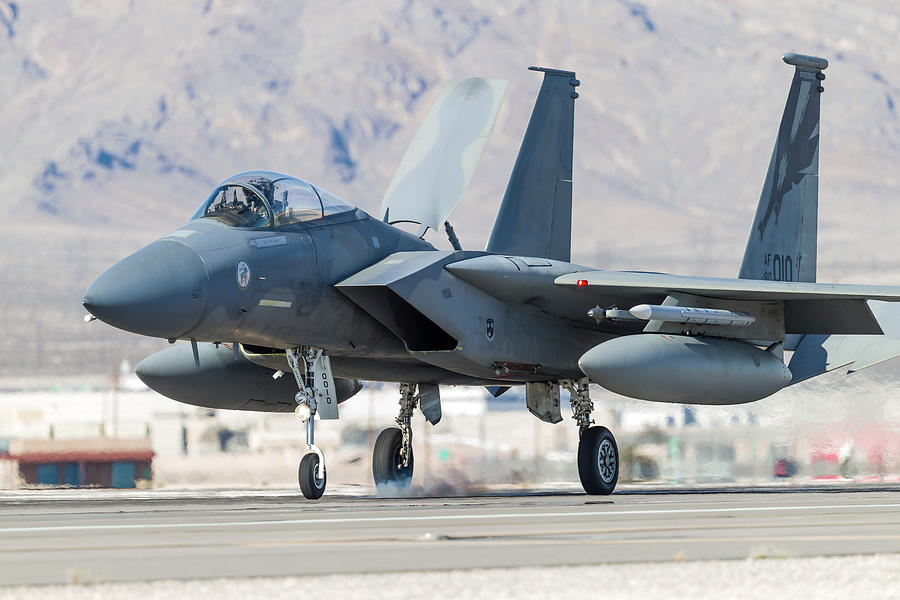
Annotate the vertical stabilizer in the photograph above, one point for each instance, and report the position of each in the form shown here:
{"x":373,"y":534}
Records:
{"x":535,"y":217}
{"x":782,"y":244}
{"x":438,"y":165}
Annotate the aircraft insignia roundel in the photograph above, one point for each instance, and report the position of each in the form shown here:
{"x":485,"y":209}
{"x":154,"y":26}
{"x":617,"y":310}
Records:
{"x":243,"y":275}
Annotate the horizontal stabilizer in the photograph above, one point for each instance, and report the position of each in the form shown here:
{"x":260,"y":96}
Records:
{"x":438,"y":165}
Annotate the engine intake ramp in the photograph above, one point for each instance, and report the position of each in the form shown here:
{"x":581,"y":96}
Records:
{"x":387,"y":290}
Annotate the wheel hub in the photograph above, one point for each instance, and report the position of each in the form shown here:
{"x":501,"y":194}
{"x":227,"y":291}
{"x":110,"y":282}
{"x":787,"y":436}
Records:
{"x":606,"y":461}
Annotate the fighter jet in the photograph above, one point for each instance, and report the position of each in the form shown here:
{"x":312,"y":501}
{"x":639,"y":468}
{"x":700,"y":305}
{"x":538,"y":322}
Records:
{"x":276,"y":276}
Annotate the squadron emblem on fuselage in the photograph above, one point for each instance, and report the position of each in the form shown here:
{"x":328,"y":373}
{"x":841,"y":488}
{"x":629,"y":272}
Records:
{"x":243,"y":275}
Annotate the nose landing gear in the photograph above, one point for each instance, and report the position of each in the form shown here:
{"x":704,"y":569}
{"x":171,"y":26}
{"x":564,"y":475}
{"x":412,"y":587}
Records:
{"x":316,"y":396}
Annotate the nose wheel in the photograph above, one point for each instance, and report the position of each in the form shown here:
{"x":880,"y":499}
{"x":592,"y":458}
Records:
{"x":311,"y":483}
{"x":312,"y":396}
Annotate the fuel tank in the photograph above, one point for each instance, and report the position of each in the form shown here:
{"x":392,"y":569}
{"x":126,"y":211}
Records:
{"x":217,"y":377}
{"x":685,"y":370}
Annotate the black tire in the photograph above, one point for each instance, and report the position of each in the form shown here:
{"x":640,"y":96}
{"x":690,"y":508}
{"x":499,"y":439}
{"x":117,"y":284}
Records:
{"x":386,"y":460}
{"x":598,"y":461}
{"x":311,"y":486}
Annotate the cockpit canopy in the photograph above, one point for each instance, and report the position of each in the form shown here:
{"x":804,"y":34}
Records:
{"x":257,"y":198}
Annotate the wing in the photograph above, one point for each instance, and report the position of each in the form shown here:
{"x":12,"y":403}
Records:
{"x":568,"y":291}
{"x":733,"y":289}
{"x":823,"y":308}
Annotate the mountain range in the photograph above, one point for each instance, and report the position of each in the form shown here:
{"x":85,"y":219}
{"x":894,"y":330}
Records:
{"x":119,"y":117}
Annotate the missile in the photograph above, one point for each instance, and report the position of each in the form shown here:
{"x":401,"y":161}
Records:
{"x":685,"y":369}
{"x":689,"y":314}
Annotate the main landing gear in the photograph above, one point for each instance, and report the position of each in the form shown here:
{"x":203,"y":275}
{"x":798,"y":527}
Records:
{"x":392,"y":459}
{"x":598,"y":455}
{"x":312,"y":371}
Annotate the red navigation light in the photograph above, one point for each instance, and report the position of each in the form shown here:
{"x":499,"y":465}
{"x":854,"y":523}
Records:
{"x":581,"y":282}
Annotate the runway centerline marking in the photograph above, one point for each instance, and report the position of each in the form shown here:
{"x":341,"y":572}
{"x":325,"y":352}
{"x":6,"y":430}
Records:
{"x":453,"y":517}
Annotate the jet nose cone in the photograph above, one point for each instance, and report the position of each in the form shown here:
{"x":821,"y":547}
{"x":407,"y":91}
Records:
{"x":158,"y":291}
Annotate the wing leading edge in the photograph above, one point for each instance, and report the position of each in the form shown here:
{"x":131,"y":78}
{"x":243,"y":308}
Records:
{"x":729,"y":289}
{"x":809,"y":308}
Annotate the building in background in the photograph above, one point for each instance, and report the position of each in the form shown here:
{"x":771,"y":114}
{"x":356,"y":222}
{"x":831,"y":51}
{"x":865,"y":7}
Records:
{"x":108,"y":463}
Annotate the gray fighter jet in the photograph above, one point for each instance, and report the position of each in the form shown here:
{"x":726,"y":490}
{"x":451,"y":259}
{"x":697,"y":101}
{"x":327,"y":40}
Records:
{"x":274,"y":275}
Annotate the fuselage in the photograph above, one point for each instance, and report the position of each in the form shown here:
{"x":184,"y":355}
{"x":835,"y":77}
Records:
{"x":290,"y":299}
{"x":234,"y":274}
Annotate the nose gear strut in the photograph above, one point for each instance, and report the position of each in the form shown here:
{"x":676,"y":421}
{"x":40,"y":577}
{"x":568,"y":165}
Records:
{"x":312,"y":371}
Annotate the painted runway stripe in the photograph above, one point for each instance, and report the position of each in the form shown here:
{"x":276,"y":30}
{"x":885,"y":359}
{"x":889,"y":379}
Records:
{"x":453,"y":517}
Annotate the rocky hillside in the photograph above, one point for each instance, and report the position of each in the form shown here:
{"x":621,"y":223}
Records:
{"x":119,"y":116}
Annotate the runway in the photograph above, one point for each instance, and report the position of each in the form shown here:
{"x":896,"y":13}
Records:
{"x":93,"y":535}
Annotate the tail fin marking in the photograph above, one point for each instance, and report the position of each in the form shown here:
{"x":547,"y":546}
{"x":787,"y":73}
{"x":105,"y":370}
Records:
{"x":782,"y":243}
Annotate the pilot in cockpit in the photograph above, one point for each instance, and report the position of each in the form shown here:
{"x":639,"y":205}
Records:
{"x":257,"y":206}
